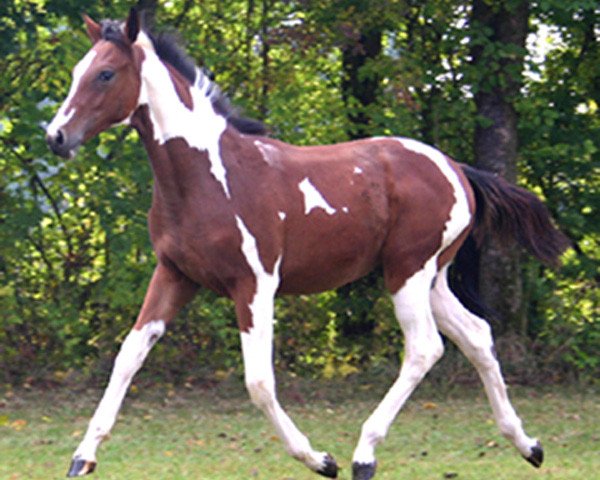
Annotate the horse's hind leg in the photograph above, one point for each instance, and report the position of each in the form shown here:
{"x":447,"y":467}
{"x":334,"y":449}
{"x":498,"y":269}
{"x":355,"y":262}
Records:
{"x":168,"y":291}
{"x":473,"y":337}
{"x":423,"y":347}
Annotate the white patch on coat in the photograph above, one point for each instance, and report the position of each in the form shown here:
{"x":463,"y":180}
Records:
{"x":266,"y":283}
{"x":460,"y":216}
{"x":345,"y":209}
{"x":423,"y":347}
{"x":313,"y":198}
{"x":133,"y":351}
{"x":269,"y":152}
{"x":473,"y":336}
{"x":257,"y":349}
{"x":282,"y":215}
{"x":65,"y":112}
{"x":200,"y":127}
{"x":357,"y":170}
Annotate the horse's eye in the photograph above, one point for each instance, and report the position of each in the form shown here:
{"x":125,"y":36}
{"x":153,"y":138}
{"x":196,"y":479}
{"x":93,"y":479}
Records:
{"x":105,"y":75}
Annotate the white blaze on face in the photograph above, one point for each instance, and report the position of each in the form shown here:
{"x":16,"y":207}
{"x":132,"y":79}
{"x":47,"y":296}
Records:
{"x":313,"y":198}
{"x":200,"y":127}
{"x":62,"y":117}
{"x":460,"y":216}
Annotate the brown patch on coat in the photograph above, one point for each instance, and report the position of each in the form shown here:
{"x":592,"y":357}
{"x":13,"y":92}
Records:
{"x":422,"y":198}
{"x":182,"y":87}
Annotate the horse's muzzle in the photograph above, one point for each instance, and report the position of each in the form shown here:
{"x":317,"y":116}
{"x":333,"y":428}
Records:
{"x":60,"y":145}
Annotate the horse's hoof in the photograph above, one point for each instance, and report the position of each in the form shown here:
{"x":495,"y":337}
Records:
{"x":81,"y":467}
{"x":363,"y":471}
{"x":537,"y":455}
{"x":330,"y":468}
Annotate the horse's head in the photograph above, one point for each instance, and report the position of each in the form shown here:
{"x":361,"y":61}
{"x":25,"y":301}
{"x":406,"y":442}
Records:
{"x":105,"y":88}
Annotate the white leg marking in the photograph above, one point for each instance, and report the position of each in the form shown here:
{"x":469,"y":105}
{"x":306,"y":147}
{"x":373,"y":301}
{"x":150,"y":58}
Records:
{"x":257,"y":349}
{"x":459,"y":214}
{"x":200,"y":127}
{"x":473,"y":336}
{"x":266,"y":284}
{"x":423,"y":347}
{"x":65,"y":112}
{"x":313,"y":198}
{"x":133,"y":351}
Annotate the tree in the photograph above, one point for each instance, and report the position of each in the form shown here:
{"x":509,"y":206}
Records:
{"x":74,"y":251}
{"x":499,"y":31}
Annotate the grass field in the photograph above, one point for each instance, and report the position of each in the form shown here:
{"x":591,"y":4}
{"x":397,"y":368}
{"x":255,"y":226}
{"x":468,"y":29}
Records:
{"x":193,"y":433}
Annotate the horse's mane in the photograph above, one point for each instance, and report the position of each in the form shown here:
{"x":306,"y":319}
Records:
{"x":168,"y":49}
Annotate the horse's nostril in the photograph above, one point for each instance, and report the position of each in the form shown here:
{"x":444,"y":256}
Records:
{"x":60,"y":139}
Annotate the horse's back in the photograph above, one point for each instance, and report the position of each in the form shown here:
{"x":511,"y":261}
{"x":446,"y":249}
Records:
{"x":355,"y":205}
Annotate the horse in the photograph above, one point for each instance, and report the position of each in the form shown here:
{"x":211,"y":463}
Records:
{"x":251,"y":217}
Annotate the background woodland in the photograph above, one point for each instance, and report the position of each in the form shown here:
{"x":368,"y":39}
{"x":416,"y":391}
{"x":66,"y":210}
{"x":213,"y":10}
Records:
{"x":512,"y":86}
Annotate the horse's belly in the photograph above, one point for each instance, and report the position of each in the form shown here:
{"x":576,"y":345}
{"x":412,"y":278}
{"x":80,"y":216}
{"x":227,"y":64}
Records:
{"x":315,"y":263}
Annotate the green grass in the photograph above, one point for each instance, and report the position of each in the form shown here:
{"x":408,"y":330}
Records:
{"x":217,"y":434}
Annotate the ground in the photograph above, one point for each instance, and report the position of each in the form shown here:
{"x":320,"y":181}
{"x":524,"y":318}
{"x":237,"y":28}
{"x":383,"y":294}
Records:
{"x":192,"y":432}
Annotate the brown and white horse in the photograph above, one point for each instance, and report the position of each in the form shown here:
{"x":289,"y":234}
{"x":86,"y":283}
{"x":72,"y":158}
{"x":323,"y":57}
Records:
{"x":251,"y":217}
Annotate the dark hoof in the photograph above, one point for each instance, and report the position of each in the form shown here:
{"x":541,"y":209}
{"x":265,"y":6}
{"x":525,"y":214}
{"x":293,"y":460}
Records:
{"x":81,"y":467}
{"x":363,"y":471}
{"x":537,"y":455}
{"x":330,"y":469}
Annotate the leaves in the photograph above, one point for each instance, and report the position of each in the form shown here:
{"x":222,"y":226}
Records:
{"x":75,"y":257}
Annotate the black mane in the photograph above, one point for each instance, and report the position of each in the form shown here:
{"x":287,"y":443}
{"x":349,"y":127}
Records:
{"x":168,"y":49}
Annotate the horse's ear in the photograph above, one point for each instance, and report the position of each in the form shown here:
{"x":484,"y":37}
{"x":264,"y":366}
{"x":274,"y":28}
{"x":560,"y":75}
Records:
{"x":94,"y":30}
{"x":132,"y":25}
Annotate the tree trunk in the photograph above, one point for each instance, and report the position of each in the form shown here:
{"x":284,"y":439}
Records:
{"x":359,"y":91}
{"x":496,"y":142}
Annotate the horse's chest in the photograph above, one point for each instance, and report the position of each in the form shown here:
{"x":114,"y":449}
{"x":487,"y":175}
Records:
{"x":207,"y":256}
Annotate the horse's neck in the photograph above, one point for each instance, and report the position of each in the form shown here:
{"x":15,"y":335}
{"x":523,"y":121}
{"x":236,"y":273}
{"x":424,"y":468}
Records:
{"x":189,"y":114}
{"x":169,"y":122}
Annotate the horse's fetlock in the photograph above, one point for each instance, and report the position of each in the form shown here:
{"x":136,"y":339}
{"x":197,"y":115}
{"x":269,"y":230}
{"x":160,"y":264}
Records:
{"x":373,"y":432}
{"x":509,"y":428}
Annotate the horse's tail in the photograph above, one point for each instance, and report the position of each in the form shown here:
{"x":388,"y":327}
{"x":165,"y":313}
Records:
{"x":509,"y":213}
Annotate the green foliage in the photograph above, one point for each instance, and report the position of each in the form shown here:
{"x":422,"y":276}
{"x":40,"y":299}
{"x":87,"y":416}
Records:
{"x":75,"y":257}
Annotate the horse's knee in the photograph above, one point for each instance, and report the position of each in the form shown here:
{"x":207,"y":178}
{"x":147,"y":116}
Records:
{"x":135,"y":348}
{"x":429,"y":352}
{"x":422,"y":357}
{"x":261,"y":391}
{"x":480,"y":348}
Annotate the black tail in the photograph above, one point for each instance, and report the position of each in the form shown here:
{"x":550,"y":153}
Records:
{"x":509,"y":213}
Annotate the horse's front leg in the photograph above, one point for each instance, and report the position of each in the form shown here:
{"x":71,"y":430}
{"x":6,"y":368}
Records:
{"x":254,"y":297}
{"x":167,"y":293}
{"x":257,"y":349}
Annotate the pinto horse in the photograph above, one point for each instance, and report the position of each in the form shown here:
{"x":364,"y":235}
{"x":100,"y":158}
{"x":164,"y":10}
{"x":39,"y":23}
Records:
{"x":251,"y":217}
